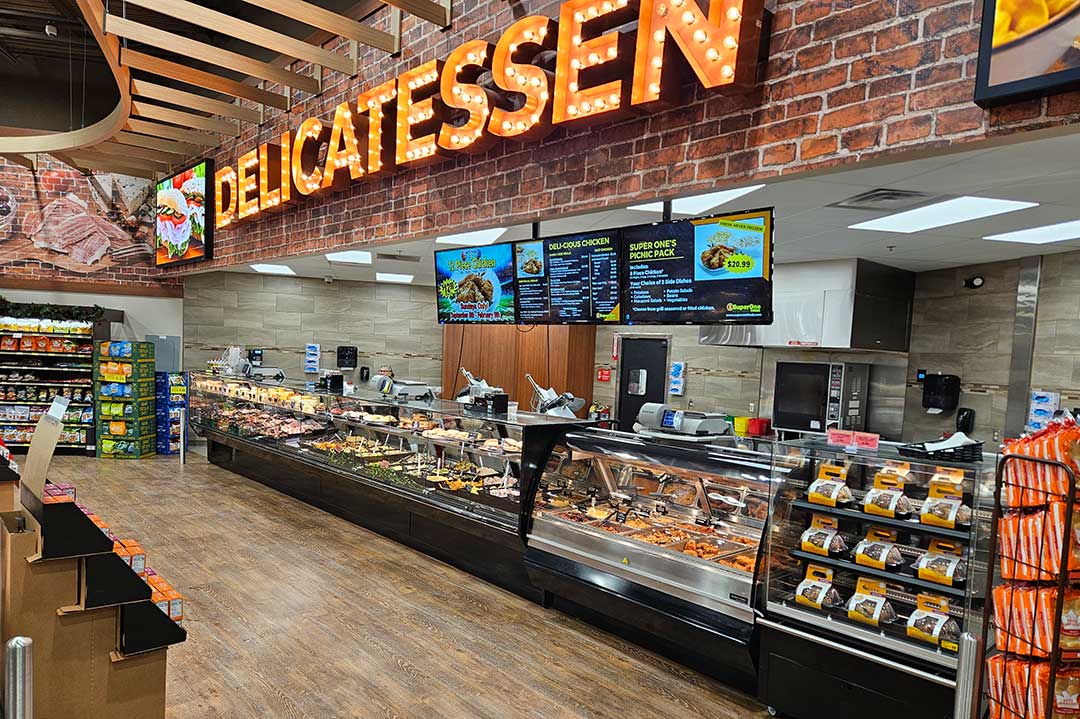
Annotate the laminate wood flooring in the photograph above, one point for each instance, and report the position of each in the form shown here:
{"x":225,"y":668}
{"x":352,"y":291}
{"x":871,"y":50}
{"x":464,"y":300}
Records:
{"x":293,"y":613}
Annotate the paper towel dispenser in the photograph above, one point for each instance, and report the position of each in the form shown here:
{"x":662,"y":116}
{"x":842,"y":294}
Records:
{"x":941,"y":393}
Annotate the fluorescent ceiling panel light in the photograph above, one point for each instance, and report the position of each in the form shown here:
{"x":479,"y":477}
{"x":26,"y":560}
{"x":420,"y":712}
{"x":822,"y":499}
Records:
{"x":1041,"y":235}
{"x":351,"y":257}
{"x":940,"y":214}
{"x":650,"y":207}
{"x":477,"y":237}
{"x":273,"y":269}
{"x":699,"y":203}
{"x":393,"y":277}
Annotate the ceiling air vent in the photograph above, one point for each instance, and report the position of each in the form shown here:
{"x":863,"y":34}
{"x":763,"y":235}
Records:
{"x":397,"y":257}
{"x":885,"y":200}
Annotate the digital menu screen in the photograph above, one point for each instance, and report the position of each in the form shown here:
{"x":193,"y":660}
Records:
{"x":568,"y":279}
{"x":475,"y":285}
{"x":716,"y":270}
{"x":184,"y":216}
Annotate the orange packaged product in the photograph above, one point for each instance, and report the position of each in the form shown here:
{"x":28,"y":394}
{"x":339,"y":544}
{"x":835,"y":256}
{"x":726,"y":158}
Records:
{"x":26,"y":344}
{"x":1024,"y":619}
{"x":176,"y":605}
{"x":137,"y":554}
{"x":159,"y":599}
{"x":1025,"y":686}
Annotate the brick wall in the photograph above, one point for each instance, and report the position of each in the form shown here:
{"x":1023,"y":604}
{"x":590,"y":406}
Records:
{"x":847,"y":80}
{"x":32,"y":191}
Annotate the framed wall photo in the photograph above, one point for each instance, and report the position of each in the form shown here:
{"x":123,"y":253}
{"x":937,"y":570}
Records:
{"x":184,"y":216}
{"x":1028,"y":48}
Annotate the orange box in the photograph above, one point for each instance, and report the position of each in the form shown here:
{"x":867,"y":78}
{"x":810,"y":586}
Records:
{"x":176,"y":605}
{"x":162,"y":603}
{"x":160,"y":584}
{"x":121,"y":551}
{"x":138,"y":556}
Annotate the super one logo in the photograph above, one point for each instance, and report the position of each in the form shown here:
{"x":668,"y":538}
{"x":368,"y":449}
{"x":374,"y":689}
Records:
{"x":482,"y":92}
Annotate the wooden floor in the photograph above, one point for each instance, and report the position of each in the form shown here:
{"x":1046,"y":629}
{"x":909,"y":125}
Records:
{"x":293,"y":613}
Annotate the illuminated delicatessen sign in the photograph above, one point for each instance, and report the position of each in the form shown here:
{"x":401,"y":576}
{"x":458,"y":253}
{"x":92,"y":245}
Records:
{"x":483,"y":92}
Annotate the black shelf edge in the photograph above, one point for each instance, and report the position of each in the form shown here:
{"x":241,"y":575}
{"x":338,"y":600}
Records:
{"x":144,"y":628}
{"x":110,"y":581}
{"x":897,"y":577}
{"x":66,"y":531}
{"x":906,"y":525}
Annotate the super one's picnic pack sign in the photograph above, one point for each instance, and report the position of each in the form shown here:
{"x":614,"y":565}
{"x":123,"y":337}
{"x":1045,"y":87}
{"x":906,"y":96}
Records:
{"x":483,"y":92}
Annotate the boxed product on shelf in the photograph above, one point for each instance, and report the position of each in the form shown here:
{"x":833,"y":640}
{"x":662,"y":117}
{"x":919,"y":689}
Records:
{"x":48,"y":326}
{"x":167,"y":599}
{"x":138,"y":448}
{"x":138,"y":389}
{"x":171,"y":387}
{"x":138,"y":408}
{"x":126,"y":349}
{"x":124,"y":427}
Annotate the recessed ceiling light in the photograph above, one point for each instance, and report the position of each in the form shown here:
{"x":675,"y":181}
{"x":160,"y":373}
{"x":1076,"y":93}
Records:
{"x":940,"y":214}
{"x":273,"y":269}
{"x":351,"y":257}
{"x":393,"y":277}
{"x":477,"y":237}
{"x":698,"y":204}
{"x":1041,"y":235}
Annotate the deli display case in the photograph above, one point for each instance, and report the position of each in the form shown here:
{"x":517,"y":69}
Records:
{"x":875,"y":583}
{"x":656,"y":540}
{"x":433,"y":474}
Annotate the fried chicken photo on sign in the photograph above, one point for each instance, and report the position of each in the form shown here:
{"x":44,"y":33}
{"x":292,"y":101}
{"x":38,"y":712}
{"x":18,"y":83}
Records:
{"x":714,"y":257}
{"x":475,"y":288}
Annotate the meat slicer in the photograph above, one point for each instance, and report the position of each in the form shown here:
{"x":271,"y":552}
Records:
{"x":548,"y":401}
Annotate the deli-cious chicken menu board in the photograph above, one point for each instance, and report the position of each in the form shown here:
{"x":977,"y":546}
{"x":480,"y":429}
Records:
{"x":475,"y":285}
{"x":568,"y":279}
{"x":716,"y":270}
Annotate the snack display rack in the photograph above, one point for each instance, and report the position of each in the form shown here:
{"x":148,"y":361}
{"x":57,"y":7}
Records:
{"x":656,"y":540}
{"x":1032,"y":626}
{"x":124,"y":399}
{"x":428,"y":473}
{"x":170,"y":402}
{"x":41,"y":359}
{"x":876,"y":572}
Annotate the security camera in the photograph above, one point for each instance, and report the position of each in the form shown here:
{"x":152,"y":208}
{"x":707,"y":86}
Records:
{"x":50,"y":30}
{"x":328,"y":280}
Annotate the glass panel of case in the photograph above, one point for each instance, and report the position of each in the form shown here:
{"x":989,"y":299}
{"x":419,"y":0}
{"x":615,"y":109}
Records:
{"x":433,"y":449}
{"x":878,"y":547}
{"x":691,"y":516}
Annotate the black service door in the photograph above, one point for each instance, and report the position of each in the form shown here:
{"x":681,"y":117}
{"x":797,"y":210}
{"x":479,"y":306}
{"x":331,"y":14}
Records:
{"x":643,"y":374}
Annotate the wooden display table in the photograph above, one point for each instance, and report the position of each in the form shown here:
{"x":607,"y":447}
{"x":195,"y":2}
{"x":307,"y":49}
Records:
{"x":99,"y":641}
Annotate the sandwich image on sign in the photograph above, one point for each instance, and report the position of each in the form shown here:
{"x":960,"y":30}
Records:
{"x":182,"y":232}
{"x":173,"y":222}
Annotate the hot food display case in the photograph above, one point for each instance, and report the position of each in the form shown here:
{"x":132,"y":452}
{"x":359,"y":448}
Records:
{"x":432,"y":474}
{"x":656,"y":540}
{"x":874,"y":583}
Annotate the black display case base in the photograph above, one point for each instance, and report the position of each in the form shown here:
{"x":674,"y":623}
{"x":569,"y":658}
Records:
{"x":711,"y":643}
{"x":479,"y":548}
{"x":805,"y":679}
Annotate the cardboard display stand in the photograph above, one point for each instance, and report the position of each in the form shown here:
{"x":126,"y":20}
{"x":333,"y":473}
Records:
{"x":62,"y":586}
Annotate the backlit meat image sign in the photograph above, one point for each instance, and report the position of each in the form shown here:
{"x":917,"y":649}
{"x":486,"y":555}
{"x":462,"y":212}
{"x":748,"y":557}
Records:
{"x":541,"y":72}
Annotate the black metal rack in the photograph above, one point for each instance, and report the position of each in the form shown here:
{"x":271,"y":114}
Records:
{"x":1035,"y":659}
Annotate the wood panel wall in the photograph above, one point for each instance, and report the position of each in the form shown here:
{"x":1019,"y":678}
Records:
{"x":556,"y":356}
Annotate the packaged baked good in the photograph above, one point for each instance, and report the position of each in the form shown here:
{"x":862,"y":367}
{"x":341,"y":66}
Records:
{"x":817,"y":590}
{"x":930,"y":622}
{"x":823,"y":537}
{"x":886,"y":498}
{"x":869,"y":605}
{"x":830,"y":488}
{"x":943,"y":563}
{"x":1069,"y":631}
{"x":944,"y":505}
{"x":878,"y":550}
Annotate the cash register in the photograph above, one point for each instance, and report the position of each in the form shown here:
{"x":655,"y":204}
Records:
{"x":663,"y":421}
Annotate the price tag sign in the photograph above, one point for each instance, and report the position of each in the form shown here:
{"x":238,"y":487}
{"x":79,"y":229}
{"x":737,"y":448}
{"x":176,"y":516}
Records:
{"x":661,"y":508}
{"x":840,"y":438}
{"x":867,"y":440}
{"x":621,"y":516}
{"x":58,"y":408}
{"x":702,"y":520}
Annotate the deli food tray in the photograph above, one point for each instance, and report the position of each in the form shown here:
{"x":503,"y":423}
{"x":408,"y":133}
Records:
{"x":707,"y":583}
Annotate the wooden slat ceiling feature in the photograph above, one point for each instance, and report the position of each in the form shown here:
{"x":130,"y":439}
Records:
{"x":143,"y":153}
{"x":185,"y":119}
{"x":154,"y":129}
{"x":121,"y":27}
{"x":166,"y":68}
{"x":100,"y":164}
{"x":158,"y":144}
{"x":90,"y":157}
{"x":153,"y":91}
{"x":332,"y":22}
{"x":250,"y":33}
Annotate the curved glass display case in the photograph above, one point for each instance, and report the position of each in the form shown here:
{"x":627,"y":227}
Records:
{"x":876,"y":569}
{"x":670,"y":525}
{"x":389,"y":464}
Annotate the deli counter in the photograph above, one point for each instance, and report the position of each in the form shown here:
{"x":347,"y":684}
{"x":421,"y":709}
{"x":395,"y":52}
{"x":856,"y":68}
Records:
{"x":428,"y":473}
{"x":657,"y":540}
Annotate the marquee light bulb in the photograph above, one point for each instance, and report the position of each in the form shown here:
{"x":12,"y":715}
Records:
{"x":733,"y":14}
{"x":730,"y":42}
{"x":688,"y":17}
{"x":700,"y":35}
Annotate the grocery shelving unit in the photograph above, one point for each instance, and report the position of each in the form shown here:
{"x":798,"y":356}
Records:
{"x":124,"y":399}
{"x":884,"y":665}
{"x":171,"y":398}
{"x":36,"y":366}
